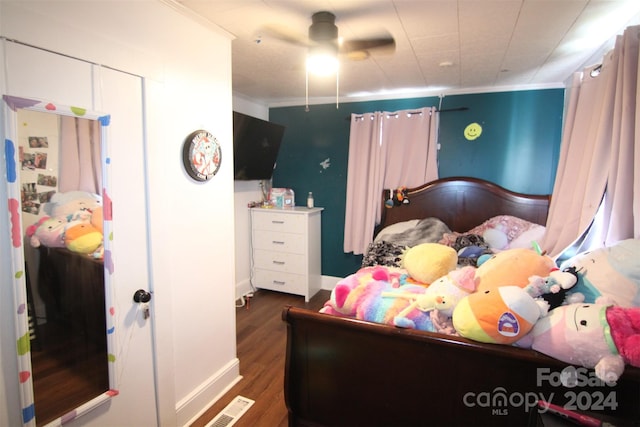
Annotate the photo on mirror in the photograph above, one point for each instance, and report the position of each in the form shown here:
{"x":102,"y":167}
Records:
{"x":28,"y":160}
{"x":47,"y":180}
{"x":40,"y":160}
{"x":38,"y":142}
{"x":45,"y":197}
{"x":30,"y":200}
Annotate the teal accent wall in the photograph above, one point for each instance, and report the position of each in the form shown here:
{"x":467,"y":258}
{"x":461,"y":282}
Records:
{"x":518,"y":149}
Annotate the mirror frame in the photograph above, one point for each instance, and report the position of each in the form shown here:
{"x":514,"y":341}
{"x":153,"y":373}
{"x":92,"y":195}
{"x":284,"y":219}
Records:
{"x":23,"y":342}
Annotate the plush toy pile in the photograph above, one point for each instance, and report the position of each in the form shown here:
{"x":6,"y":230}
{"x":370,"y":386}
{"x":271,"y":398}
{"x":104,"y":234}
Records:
{"x":585,"y":311}
{"x":73,"y":221}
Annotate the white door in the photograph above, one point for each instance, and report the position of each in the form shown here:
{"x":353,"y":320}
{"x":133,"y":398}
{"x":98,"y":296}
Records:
{"x":45,"y":75}
{"x":121,"y":97}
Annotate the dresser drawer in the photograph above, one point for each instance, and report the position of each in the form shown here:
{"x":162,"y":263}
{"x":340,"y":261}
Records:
{"x":278,"y":281}
{"x":279,"y":261}
{"x":278,"y":221}
{"x":279,"y":241}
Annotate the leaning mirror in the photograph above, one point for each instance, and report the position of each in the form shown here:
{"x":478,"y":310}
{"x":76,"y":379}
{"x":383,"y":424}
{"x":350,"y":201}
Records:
{"x":60,"y":212}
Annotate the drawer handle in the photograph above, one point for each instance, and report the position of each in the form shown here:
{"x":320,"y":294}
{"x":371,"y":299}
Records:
{"x":278,"y":282}
{"x":276,"y":242}
{"x":279,"y":262}
{"x":277,"y":222}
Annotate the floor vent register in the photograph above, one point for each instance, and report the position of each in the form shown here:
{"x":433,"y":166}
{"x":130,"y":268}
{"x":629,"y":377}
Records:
{"x":232,"y":412}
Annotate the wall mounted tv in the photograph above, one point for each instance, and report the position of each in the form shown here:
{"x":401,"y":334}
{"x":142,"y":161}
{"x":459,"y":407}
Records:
{"x":256,"y":144}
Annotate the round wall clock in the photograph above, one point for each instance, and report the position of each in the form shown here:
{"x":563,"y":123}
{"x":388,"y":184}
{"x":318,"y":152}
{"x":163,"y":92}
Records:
{"x":201,"y":155}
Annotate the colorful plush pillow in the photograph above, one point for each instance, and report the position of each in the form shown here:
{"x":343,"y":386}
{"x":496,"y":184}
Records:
{"x":612,"y":272}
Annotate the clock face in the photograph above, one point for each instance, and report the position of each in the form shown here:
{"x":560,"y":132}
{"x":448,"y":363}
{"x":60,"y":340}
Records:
{"x":201,"y":155}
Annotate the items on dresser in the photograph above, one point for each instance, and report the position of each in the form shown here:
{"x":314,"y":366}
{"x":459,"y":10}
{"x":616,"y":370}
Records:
{"x":283,"y":198}
{"x":286,"y":250}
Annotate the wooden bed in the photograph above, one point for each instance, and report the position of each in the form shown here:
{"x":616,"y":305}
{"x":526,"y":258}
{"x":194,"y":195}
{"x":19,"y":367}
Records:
{"x":347,"y":372}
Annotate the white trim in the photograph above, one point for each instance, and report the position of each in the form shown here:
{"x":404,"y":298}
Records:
{"x":329,"y":282}
{"x":243,"y":288}
{"x":191,"y":407}
{"x":189,"y":13}
{"x":405,"y":94}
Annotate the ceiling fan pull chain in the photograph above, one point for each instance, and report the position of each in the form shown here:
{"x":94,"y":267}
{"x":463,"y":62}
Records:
{"x":337,"y":87}
{"x":306,"y":90}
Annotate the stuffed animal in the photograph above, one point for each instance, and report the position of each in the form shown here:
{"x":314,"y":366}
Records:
{"x":612,"y":272}
{"x":348,"y":292}
{"x":427,"y":262}
{"x":73,"y":205}
{"x":555,"y":287}
{"x":499,"y":316}
{"x":82,"y":237}
{"x":513,"y":267}
{"x":442,"y":295}
{"x":47,"y":232}
{"x":397,"y":197}
{"x":378,"y":305}
{"x":596,"y":336}
{"x":360,"y":296}
{"x":97,"y":218}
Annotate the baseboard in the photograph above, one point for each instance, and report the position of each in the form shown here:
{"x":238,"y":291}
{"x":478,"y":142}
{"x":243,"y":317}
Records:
{"x":242,"y":288}
{"x":330,"y":282}
{"x":199,"y":400}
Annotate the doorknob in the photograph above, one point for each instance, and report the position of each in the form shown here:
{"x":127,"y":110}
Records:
{"x":141,"y":296}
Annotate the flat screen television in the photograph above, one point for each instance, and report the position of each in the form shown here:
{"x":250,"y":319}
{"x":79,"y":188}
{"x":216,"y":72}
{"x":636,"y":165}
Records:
{"x":256,"y":143}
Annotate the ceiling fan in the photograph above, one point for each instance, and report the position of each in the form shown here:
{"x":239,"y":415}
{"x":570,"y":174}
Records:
{"x":324,"y":45}
{"x":323,"y":35}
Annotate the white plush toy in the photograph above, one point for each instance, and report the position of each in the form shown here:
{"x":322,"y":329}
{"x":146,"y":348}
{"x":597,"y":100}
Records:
{"x":73,"y":205}
{"x":612,"y":272}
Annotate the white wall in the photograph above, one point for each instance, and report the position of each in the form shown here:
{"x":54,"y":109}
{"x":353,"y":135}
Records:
{"x":187,"y":73}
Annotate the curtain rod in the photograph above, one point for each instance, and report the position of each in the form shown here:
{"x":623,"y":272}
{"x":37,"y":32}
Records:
{"x":447,"y":110}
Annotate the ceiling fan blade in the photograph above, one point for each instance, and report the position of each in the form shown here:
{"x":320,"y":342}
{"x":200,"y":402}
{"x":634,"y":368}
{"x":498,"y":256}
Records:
{"x":382,"y":43}
{"x":284,"y":34}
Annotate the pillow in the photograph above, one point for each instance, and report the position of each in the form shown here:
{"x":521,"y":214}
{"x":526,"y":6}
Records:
{"x":612,"y":272}
{"x":427,"y":230}
{"x":534,"y":234}
{"x":501,"y":231}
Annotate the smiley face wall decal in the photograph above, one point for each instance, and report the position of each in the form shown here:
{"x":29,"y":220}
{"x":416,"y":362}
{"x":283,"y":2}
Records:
{"x":472,"y":131}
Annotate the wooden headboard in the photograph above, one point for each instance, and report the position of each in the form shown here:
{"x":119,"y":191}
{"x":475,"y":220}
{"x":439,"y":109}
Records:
{"x":463,"y":203}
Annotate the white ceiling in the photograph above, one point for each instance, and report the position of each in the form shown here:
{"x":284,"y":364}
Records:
{"x":487,"y":45}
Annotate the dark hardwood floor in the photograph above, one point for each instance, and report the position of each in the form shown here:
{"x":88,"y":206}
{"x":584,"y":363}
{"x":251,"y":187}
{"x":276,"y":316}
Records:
{"x":261,"y":342}
{"x":67,"y":370}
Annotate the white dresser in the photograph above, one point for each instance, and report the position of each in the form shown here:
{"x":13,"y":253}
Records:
{"x":286,"y":250}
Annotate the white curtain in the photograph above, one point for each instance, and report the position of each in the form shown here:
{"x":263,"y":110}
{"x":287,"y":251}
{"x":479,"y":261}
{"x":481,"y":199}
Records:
{"x":599,"y":154}
{"x":80,"y":166}
{"x":386,"y":150}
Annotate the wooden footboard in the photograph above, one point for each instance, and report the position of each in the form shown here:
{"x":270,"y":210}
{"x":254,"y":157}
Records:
{"x":345,"y":372}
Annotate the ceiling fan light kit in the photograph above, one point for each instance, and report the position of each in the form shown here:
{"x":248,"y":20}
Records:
{"x":322,"y":61}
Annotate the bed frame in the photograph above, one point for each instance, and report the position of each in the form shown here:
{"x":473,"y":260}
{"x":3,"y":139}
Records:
{"x":347,"y":372}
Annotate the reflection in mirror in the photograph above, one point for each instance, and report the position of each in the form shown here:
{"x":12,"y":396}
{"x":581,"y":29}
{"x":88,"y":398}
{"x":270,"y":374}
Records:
{"x":56,"y":156}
